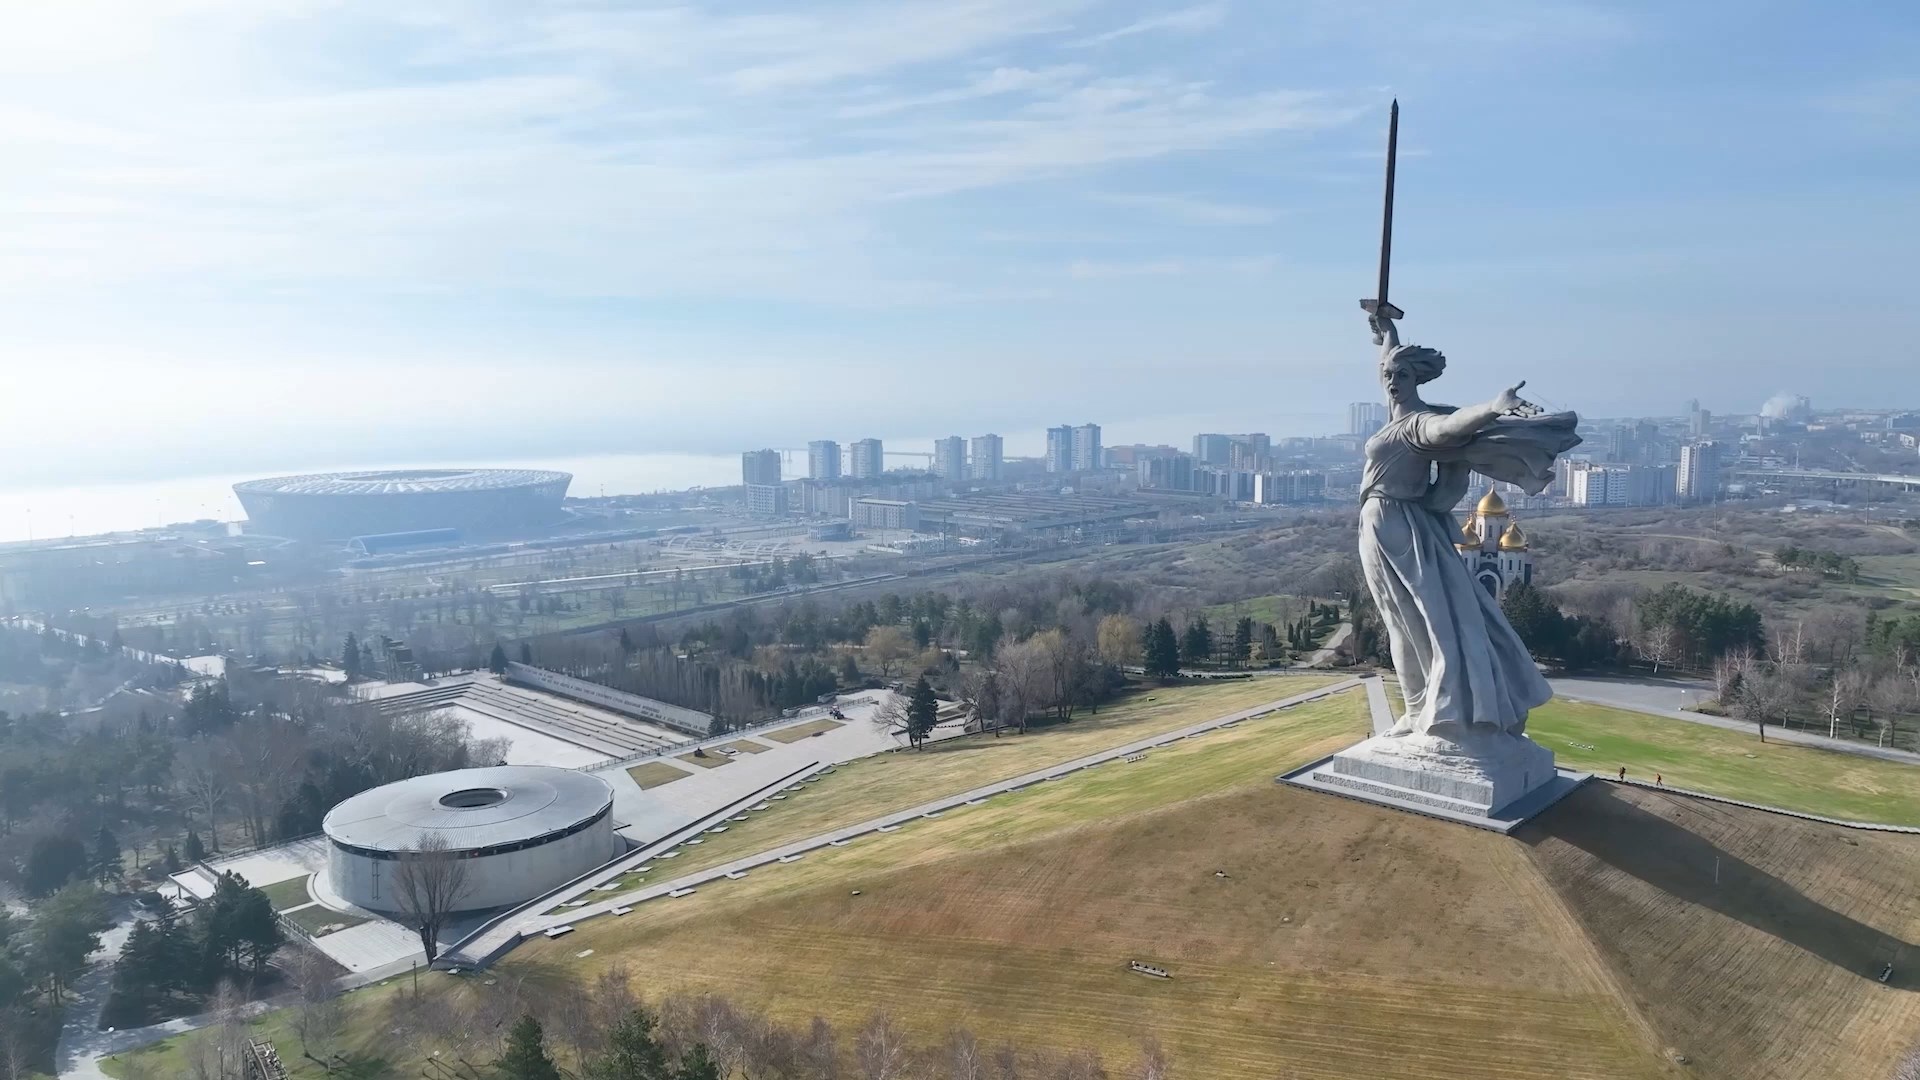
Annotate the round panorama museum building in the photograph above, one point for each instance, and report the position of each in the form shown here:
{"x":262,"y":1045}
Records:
{"x":524,"y":829}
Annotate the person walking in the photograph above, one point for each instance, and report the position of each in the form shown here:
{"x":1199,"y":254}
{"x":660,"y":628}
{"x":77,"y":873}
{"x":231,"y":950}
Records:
{"x":1623,"y":774}
{"x":1659,"y":781}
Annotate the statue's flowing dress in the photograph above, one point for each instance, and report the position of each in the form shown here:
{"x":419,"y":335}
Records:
{"x":1458,"y":659}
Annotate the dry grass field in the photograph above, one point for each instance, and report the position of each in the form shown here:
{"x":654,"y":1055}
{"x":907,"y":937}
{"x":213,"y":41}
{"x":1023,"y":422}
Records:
{"x":801,"y":731}
{"x":704,"y":760}
{"x":883,"y":783}
{"x":1770,"y":973}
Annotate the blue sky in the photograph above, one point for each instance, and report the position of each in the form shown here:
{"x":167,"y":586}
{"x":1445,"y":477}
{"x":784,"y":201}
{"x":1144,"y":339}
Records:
{"x":259,"y":234}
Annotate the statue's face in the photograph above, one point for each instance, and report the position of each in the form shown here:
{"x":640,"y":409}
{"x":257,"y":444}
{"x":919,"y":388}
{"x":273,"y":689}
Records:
{"x":1399,"y":383}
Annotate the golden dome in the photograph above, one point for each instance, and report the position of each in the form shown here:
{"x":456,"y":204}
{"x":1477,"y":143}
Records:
{"x":1469,"y":536}
{"x":1513,"y":539}
{"x":1492,"y":503}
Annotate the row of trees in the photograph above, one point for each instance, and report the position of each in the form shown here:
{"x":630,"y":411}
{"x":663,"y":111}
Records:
{"x":1828,"y":563}
{"x":531,"y":1028}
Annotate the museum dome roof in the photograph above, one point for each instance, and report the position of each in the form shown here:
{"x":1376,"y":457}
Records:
{"x":1491,"y":503}
{"x":1513,"y":539}
{"x":1469,"y":535}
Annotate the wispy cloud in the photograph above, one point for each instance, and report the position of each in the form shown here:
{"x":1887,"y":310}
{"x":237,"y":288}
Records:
{"x":1191,"y":211}
{"x":1185,"y":20}
{"x":1174,"y":266}
{"x":1885,"y":104}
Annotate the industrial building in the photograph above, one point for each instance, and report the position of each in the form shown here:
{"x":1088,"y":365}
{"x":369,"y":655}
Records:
{"x":337,"y":506}
{"x":519,"y":831}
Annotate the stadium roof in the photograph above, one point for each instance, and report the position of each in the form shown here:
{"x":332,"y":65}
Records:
{"x":472,"y":808}
{"x":401,"y":482}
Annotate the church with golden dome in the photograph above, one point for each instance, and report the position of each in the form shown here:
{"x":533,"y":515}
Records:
{"x":1493,"y":547}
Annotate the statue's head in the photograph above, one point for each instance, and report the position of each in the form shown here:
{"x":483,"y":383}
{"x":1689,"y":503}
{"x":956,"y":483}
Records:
{"x":1405,"y":368}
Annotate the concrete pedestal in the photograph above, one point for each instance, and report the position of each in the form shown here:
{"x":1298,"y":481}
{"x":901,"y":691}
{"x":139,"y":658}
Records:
{"x":1478,"y":774}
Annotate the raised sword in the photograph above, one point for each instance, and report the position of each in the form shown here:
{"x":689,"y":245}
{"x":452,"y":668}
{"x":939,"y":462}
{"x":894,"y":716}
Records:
{"x":1379,"y":307}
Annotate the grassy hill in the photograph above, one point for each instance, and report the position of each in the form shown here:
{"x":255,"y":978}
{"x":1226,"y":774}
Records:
{"x":1309,"y":937}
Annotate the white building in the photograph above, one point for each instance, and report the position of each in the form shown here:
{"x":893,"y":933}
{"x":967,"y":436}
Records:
{"x":520,"y":830}
{"x":1698,"y":479}
{"x":823,"y":460}
{"x":1060,"y":449}
{"x":1085,"y":448}
{"x":984,"y":463}
{"x":867,"y":460}
{"x":885,"y":514}
{"x":950,"y":458}
{"x":1494,"y":548}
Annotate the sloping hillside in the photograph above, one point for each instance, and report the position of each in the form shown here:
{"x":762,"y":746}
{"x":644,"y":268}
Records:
{"x":1770,"y":971}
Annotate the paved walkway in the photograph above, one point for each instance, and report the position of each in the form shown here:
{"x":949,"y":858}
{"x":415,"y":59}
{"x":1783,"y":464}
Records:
{"x":1324,"y":654}
{"x":1665,"y":697}
{"x":542,"y":923}
{"x":76,"y":1053}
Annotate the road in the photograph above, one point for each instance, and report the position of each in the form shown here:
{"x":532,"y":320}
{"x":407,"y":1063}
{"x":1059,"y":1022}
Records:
{"x":1670,"y":697}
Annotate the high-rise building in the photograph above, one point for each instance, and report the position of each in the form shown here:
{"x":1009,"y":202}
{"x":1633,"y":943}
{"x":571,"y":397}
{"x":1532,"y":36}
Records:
{"x":1173,"y":472}
{"x":950,"y":458}
{"x":866,"y":460}
{"x":1698,"y":478}
{"x":1620,"y":443}
{"x":760,"y":467}
{"x":984,"y":463}
{"x":1699,"y":420}
{"x":1366,"y":417}
{"x":823,"y":460}
{"x":1212,"y":449}
{"x":1060,"y":449}
{"x":1085,"y":448}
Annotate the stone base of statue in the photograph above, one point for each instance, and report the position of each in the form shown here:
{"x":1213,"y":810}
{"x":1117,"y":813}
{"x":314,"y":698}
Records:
{"x":1485,"y":778}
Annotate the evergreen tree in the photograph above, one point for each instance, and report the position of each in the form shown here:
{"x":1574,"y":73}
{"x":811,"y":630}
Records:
{"x":526,"y":1055}
{"x":195,"y":851}
{"x":171,"y":861}
{"x":632,"y":1052}
{"x":698,"y":1064}
{"x":1242,"y":639}
{"x":497,"y":660}
{"x":526,"y":653}
{"x":53,"y":861}
{"x":106,"y":856}
{"x":1197,"y":645}
{"x":1162,"y":650}
{"x":350,"y":657}
{"x":849,"y":670}
{"x":922,"y":711}
{"x":626,"y":642}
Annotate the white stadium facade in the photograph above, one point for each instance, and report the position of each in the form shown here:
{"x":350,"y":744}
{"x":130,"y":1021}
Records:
{"x":336,"y":506}
{"x":525,"y":830}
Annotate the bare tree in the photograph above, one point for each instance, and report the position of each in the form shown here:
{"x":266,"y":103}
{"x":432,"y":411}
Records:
{"x":429,"y":883}
{"x":822,"y":1050}
{"x":1728,"y":669}
{"x":204,"y":779}
{"x":1118,"y":641}
{"x":891,"y":716}
{"x":1152,"y":1064}
{"x":318,"y":1015}
{"x":1762,"y":696}
{"x":1657,"y":645}
{"x":15,"y":1053}
{"x":1023,"y":680}
{"x":964,"y":1059}
{"x":1908,"y":1067}
{"x":1847,"y":692}
{"x":881,"y":1050}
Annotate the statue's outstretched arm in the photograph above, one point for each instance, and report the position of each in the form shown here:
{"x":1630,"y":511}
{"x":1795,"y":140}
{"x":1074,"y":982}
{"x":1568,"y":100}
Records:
{"x":1464,"y":424}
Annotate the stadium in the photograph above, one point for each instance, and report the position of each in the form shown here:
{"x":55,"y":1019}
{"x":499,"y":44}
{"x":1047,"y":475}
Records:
{"x":521,"y":830}
{"x":339,"y":506}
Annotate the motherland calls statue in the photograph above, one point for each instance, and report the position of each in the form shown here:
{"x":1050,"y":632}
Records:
{"x":1461,"y":665}
{"x":1467,"y":678}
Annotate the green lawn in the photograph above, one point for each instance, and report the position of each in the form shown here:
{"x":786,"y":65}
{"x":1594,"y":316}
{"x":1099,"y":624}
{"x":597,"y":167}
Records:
{"x":1730,"y":763}
{"x":289,"y":893}
{"x":652,"y":774}
{"x":800,"y":731}
{"x":317,"y":918}
{"x":876,"y":785}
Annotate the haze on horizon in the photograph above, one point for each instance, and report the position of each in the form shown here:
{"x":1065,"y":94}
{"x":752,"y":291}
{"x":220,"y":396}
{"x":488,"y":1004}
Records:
{"x":269,"y":234}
